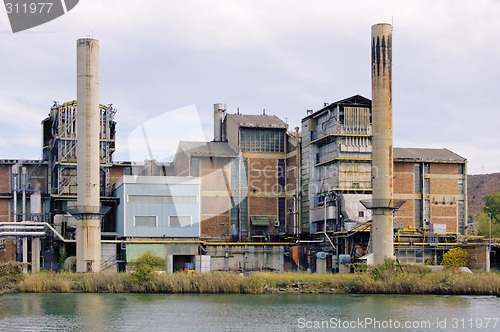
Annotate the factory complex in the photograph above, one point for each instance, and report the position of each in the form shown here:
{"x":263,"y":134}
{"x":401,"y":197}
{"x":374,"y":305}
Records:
{"x":259,"y":196}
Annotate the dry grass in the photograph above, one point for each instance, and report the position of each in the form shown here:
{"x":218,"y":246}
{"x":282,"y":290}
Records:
{"x":386,"y":281}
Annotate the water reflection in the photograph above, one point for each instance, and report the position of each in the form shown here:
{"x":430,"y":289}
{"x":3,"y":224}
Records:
{"x":111,"y":312}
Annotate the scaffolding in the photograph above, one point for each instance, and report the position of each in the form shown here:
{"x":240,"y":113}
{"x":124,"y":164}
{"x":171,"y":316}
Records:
{"x":59,"y":147}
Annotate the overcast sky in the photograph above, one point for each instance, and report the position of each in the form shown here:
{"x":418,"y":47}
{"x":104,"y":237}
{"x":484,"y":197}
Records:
{"x":285,"y":56}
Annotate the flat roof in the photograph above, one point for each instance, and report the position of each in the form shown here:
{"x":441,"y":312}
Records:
{"x":157,"y":180}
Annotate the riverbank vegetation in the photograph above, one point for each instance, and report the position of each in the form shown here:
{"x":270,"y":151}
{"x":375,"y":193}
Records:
{"x":389,"y":278}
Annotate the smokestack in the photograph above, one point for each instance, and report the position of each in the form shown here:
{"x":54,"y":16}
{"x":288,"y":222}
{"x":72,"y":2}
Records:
{"x":383,"y":205}
{"x":88,"y":234}
{"x":218,"y":122}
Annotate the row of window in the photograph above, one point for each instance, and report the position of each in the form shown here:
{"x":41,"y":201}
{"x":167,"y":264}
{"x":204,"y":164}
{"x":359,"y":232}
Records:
{"x":173,"y":221}
{"x":162,"y":199}
{"x":262,"y":140}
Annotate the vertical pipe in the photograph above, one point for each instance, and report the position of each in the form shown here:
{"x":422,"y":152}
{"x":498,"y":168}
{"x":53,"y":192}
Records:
{"x":88,"y":242}
{"x":382,"y":228}
{"x":217,"y":122}
{"x":25,"y":254}
{"x":15,"y":179}
{"x":35,"y":254}
{"x":23,"y":187}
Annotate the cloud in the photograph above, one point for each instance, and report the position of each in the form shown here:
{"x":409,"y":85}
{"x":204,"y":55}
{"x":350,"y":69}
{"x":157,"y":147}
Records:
{"x":285,"y":56}
{"x":158,"y":138}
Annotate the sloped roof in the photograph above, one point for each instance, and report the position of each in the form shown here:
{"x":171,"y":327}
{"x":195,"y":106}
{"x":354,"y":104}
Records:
{"x":356,"y":100}
{"x":429,"y":155}
{"x":257,"y":120}
{"x":208,"y":149}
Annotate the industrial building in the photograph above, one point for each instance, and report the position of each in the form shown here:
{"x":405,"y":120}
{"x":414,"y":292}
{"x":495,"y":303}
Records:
{"x":256,"y":197}
{"x":433,"y":182}
{"x":244,"y":211}
{"x":336,"y":166}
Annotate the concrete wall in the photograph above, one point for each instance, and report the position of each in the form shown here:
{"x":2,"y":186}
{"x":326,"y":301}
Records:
{"x":136,"y":250}
{"x":246,"y":257}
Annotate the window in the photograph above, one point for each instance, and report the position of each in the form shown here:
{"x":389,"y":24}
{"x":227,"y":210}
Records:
{"x":418,"y":213}
{"x":361,"y":214}
{"x":427,"y":210}
{"x":426,"y":186}
{"x":162,"y":199}
{"x":461,"y":211}
{"x":234,"y":174}
{"x":281,"y":211}
{"x":461,"y":168}
{"x":262,"y":139}
{"x":281,"y":174}
{"x":460,"y":186}
{"x":418,"y":178}
{"x":427,"y":168}
{"x":461,"y":217}
{"x":234,"y":217}
{"x":148,"y":221}
{"x":244,"y":216}
{"x":179,"y":221}
{"x":244,"y":173}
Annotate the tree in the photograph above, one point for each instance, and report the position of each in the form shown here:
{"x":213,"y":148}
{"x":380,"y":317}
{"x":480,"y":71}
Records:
{"x":493,"y":206}
{"x":483,"y":219}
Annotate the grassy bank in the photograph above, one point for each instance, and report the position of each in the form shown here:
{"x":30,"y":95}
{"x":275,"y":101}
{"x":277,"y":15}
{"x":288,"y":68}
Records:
{"x":383,"y":280}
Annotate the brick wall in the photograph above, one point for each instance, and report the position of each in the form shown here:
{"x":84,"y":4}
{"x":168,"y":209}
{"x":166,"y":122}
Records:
{"x":403,"y":183}
{"x":262,"y":175}
{"x":5,"y":210}
{"x":443,"y":186}
{"x":7,"y":250}
{"x":405,"y":216}
{"x":216,"y":226}
{"x":436,"y":168}
{"x":5,"y":178}
{"x":115,"y":173}
{"x":403,"y":167}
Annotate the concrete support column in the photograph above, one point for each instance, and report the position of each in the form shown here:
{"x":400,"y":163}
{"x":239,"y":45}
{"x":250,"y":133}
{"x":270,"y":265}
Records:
{"x":25,"y":255}
{"x":35,"y":255}
{"x":382,"y":172}
{"x":87,"y":235}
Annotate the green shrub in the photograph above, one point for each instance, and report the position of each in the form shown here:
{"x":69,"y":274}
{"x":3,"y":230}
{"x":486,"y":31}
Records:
{"x":145,"y":266}
{"x":455,"y":257}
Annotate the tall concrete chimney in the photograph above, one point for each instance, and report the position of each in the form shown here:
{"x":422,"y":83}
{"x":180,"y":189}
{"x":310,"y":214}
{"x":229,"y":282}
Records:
{"x":383,"y":205}
{"x":218,"y":122}
{"x":88,"y":233}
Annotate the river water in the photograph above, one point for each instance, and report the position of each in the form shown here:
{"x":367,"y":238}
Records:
{"x":276,"y":312}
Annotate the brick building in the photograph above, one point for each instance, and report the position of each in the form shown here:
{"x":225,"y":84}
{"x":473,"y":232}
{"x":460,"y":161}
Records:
{"x":434,"y":184}
{"x":248,"y":176}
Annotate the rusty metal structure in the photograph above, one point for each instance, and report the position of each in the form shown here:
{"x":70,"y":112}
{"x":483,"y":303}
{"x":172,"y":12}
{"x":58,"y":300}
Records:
{"x":59,"y":147}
